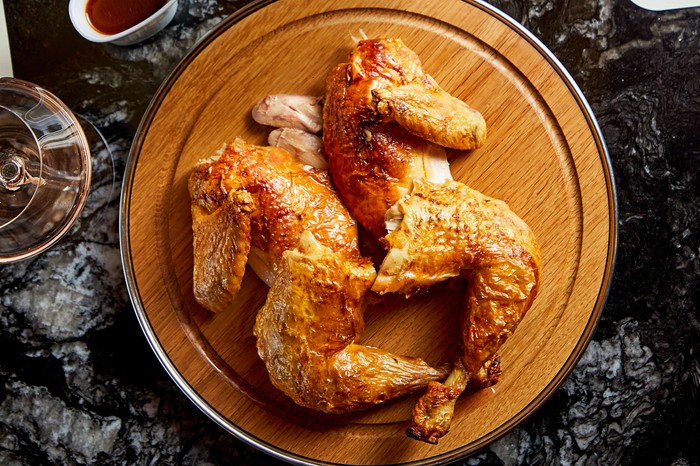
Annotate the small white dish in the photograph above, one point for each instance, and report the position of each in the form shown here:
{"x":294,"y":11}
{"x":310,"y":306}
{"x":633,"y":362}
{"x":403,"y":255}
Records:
{"x":661,"y":5}
{"x":141,"y":31}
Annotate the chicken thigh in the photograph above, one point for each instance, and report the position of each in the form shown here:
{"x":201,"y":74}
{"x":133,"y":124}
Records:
{"x":309,"y":329}
{"x":449,"y":230}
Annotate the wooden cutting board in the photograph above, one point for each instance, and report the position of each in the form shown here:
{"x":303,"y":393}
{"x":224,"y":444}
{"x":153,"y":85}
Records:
{"x":544,"y":156}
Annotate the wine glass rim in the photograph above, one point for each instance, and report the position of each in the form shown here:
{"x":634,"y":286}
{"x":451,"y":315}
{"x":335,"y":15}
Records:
{"x":37,"y":146}
{"x":47,"y":98}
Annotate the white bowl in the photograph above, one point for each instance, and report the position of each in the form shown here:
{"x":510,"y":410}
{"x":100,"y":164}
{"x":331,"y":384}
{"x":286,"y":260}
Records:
{"x":142,"y":31}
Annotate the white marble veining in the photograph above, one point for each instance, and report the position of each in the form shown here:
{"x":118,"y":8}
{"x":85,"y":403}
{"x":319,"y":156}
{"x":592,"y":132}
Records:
{"x":62,"y":432}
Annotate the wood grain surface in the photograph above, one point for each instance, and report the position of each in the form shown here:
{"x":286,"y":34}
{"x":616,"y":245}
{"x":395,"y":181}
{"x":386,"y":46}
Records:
{"x":543,"y":156}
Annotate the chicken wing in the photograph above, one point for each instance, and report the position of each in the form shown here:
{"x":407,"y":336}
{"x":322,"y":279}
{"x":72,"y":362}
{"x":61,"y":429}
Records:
{"x":385,"y":122}
{"x":308,"y":333}
{"x":251,"y":203}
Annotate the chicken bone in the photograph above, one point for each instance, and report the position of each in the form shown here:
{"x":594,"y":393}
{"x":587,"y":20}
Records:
{"x":302,"y":112}
{"x":306,"y":147}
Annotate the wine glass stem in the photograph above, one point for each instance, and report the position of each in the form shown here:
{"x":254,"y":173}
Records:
{"x":12,"y":172}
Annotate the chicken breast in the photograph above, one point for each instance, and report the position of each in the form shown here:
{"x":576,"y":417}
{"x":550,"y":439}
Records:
{"x":253,"y":202}
{"x":385,"y":122}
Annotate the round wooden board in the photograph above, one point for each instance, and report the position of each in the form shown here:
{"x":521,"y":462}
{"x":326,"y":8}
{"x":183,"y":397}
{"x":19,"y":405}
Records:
{"x":544,"y":156}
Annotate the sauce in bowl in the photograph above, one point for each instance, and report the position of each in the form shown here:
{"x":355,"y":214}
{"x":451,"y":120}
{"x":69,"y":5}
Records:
{"x":114,"y":16}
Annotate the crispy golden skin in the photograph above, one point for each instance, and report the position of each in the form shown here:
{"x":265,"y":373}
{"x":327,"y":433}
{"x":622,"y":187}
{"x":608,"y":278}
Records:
{"x":383,"y":119}
{"x":430,"y":113}
{"x":261,"y":197}
{"x":449,"y":230}
{"x":308,"y":333}
{"x":221,"y":246}
{"x":432,"y":415}
{"x":308,"y":330}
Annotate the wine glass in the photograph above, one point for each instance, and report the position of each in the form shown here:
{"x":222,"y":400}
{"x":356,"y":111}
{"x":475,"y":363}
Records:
{"x":45,"y":169}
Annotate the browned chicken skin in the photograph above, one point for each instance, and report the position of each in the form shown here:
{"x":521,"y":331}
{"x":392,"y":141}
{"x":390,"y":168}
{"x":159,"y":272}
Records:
{"x":382,"y":115}
{"x":449,"y":230}
{"x":309,"y":328}
{"x":384,"y":123}
{"x":261,"y":197}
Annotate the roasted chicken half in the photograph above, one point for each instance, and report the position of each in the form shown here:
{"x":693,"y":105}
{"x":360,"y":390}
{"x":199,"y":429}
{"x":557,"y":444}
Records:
{"x":385,"y":124}
{"x":260,"y":198}
{"x":384,"y":119}
{"x":250,"y":204}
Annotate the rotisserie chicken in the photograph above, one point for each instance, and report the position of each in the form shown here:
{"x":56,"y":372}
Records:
{"x":386,"y":124}
{"x":309,"y":328}
{"x":383,"y":120}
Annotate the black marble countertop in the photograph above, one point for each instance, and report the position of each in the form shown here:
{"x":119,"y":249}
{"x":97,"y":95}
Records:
{"x":80,"y":385}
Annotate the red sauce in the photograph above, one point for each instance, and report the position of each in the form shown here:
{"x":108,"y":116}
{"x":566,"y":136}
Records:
{"x":115,"y":16}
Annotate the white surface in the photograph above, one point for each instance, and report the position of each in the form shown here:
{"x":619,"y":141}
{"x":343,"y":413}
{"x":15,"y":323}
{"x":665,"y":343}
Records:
{"x":660,"y":5}
{"x":142,"y":31}
{"x":5,"y":60}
